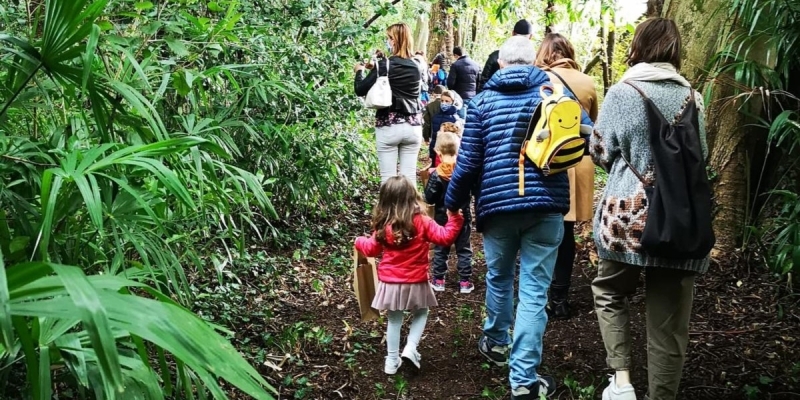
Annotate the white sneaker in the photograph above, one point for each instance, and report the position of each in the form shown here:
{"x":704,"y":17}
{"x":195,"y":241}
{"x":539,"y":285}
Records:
{"x":411,"y":355}
{"x":392,"y":365}
{"x":612,"y":392}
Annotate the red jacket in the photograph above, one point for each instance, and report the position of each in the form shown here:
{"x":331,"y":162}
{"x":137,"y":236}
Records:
{"x":409,"y":264}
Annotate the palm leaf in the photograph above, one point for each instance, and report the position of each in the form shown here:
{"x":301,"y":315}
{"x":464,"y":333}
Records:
{"x":95,"y":321}
{"x":105,"y":309}
{"x":6,"y":326}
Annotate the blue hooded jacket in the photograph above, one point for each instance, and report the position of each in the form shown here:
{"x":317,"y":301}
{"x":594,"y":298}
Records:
{"x":436,"y":124}
{"x":488,"y":160}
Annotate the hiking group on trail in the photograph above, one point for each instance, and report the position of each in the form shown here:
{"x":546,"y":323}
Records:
{"x":521,"y":137}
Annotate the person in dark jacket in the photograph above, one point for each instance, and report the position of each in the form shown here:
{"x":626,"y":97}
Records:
{"x":531,"y":224}
{"x":436,"y":113}
{"x":464,"y":75}
{"x":521,"y":28}
{"x":398,"y":128}
{"x":446,"y":149}
{"x":430,"y":110}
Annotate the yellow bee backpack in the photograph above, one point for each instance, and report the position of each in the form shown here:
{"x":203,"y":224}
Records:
{"x":553,"y":141}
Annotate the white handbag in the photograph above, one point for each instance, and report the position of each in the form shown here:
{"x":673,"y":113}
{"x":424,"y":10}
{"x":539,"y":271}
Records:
{"x":380,"y":94}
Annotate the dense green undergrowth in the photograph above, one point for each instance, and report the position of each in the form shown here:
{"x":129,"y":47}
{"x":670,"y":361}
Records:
{"x":148,"y":142}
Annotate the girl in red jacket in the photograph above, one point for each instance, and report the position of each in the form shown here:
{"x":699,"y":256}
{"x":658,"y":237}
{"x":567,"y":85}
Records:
{"x":401,"y":232}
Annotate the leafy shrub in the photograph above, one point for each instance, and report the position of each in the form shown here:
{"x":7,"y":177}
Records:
{"x":753,"y":54}
{"x":136,"y":140}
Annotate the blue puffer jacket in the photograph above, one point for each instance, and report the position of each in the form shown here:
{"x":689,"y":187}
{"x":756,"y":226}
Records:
{"x":488,"y":159}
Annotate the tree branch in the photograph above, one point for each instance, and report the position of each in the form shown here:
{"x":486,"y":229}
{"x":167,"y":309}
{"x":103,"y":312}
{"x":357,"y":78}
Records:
{"x":22,"y":160}
{"x":592,"y":63}
{"x":377,"y":15}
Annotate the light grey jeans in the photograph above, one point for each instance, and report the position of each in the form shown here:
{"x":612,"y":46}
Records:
{"x":399,"y":142}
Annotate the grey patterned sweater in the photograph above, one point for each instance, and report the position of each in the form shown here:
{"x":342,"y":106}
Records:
{"x":621,"y":130}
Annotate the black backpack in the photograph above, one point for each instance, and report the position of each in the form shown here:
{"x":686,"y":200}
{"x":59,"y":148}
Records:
{"x":679,"y":216}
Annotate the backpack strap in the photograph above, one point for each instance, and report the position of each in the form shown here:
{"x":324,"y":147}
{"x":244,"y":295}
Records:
{"x":641,"y":92}
{"x":646,"y":99}
{"x":537,"y":113}
{"x":634,"y":170}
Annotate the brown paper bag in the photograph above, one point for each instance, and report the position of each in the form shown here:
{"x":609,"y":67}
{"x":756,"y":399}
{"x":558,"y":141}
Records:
{"x":424,"y":176}
{"x":365,"y":284}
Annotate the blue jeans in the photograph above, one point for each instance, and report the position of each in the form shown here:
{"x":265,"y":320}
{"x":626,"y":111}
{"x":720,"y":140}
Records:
{"x":536,"y":237}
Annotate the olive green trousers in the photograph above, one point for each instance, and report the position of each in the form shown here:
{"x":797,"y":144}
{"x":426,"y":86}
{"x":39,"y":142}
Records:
{"x":668,"y":297}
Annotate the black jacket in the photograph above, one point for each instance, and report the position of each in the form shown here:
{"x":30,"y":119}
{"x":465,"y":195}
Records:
{"x":463,"y":79}
{"x":489,"y":69}
{"x":434,"y":194}
{"x":404,"y":79}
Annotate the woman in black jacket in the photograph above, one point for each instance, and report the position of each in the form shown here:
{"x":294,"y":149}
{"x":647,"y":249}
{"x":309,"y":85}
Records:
{"x":398,"y":128}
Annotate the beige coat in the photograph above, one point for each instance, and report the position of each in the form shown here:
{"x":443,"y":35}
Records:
{"x":581,"y":178}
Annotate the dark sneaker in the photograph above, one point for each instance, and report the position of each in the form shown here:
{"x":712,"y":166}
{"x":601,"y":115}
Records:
{"x":466,"y":287}
{"x":438,"y":285}
{"x":546,"y":386}
{"x":495,"y":354}
{"x":559,"y":309}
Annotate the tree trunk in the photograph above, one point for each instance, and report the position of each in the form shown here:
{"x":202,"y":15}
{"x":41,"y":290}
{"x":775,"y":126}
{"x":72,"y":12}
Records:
{"x":610,"y":42}
{"x":727,"y":139}
{"x":441,"y":33}
{"x":654,"y":8}
{"x":435,"y":38}
{"x":604,"y":56}
{"x":449,"y":37}
{"x":550,"y":17}
{"x":474,"y":26}
{"x":458,"y":37}
{"x":421,"y":33}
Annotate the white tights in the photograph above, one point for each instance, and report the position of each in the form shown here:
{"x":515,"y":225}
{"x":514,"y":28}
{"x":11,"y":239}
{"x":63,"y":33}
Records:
{"x":418,"y":321}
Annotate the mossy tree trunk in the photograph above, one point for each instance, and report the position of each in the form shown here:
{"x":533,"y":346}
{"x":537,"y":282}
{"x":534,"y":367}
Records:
{"x":440,"y":32}
{"x":549,"y":16}
{"x":728,"y":140}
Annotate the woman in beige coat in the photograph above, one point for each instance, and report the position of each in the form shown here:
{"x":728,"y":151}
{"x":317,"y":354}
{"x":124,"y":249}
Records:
{"x":556,"y":56}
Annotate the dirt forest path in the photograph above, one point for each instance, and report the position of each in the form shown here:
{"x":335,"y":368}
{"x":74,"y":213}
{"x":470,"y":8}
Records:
{"x":312,"y":345}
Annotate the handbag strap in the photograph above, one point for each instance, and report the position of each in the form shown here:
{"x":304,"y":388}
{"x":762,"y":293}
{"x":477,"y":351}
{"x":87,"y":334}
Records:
{"x":378,"y":66}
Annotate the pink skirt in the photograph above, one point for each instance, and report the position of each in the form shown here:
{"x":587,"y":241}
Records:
{"x":404,"y":296}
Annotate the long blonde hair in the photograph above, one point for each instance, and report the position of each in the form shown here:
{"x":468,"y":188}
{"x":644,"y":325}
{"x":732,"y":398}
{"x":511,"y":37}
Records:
{"x":403,"y":42}
{"x":398,"y":204}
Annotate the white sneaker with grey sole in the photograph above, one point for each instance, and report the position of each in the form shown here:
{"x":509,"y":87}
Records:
{"x":412,"y":356}
{"x":612,"y":392}
{"x":392,"y":365}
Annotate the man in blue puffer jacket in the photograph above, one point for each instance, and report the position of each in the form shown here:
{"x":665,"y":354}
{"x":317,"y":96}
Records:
{"x":532,"y":225}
